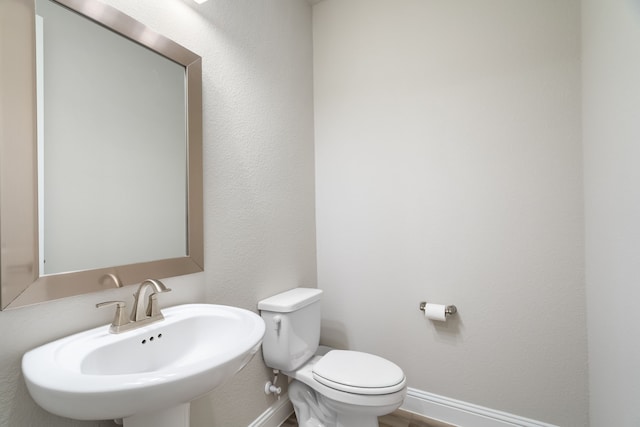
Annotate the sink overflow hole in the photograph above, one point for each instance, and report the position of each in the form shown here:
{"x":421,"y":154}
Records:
{"x":151,"y":339}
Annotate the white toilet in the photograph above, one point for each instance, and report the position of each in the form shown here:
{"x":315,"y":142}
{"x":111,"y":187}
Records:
{"x":336,"y":389}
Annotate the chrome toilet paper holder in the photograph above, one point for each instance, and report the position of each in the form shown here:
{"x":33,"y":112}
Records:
{"x":448,"y":310}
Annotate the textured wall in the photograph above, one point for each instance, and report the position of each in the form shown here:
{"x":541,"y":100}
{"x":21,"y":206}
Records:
{"x":611,"y":107}
{"x":260,"y":206}
{"x":448,"y":168}
{"x":259,"y":191}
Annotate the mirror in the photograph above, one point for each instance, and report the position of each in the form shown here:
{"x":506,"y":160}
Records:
{"x":101,"y":164}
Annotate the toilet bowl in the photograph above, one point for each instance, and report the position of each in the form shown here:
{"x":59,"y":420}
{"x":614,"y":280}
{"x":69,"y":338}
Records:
{"x":323,"y":395}
{"x":335,"y":388}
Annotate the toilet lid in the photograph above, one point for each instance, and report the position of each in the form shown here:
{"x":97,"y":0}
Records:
{"x":357,"y":372}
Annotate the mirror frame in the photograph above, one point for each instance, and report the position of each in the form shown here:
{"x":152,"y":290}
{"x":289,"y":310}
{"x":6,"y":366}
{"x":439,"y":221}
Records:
{"x":21,"y":283}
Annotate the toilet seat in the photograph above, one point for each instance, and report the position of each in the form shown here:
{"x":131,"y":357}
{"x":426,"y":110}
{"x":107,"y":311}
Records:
{"x":305,"y":375}
{"x":359,"y":373}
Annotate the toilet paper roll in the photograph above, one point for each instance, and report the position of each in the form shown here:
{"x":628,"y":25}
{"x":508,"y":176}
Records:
{"x":435,"y":312}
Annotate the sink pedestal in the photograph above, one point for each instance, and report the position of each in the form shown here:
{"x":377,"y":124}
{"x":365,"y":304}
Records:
{"x":176,"y":416}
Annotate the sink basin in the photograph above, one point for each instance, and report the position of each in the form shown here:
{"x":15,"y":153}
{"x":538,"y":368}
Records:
{"x":96,"y":375}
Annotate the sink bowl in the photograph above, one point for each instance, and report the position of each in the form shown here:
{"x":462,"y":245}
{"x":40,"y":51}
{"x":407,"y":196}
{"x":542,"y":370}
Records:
{"x":96,"y":375}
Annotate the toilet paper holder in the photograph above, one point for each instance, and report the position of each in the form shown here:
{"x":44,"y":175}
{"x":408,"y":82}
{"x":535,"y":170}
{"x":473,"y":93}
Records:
{"x":448,"y":311}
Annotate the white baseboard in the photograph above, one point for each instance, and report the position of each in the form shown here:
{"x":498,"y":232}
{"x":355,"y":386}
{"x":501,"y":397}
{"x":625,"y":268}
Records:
{"x":429,"y":405}
{"x":460,"y":413}
{"x":275,"y":414}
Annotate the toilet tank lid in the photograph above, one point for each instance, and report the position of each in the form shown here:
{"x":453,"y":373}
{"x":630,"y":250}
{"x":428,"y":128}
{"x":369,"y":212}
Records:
{"x":290,"y":300}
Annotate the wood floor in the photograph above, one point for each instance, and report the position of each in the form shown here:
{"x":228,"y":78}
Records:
{"x":398,"y":418}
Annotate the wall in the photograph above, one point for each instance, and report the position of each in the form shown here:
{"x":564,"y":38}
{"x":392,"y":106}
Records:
{"x":259,"y":208}
{"x":611,"y":102}
{"x":448,"y":168}
{"x":260,"y":199}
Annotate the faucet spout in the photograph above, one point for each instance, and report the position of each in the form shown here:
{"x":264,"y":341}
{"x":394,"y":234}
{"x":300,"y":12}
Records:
{"x":139,"y":311}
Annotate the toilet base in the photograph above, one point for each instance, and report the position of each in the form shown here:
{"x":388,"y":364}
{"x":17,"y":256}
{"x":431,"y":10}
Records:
{"x":315,"y":410}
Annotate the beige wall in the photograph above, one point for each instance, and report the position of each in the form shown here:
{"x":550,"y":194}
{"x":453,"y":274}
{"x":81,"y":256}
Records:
{"x":259,"y":206}
{"x":611,"y":108}
{"x":449,"y":169}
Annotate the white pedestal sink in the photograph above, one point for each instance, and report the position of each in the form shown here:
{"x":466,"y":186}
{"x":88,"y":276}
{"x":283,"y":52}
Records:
{"x":146,"y":376}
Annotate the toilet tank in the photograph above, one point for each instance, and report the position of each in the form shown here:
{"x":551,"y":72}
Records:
{"x":292,"y":333}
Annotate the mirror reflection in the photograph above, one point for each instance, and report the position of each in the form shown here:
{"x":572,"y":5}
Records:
{"x":111,"y":147}
{"x":101,"y":171}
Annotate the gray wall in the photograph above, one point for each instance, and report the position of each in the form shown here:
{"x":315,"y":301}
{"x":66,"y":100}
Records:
{"x":611,"y":108}
{"x":259,"y":207}
{"x":449,"y":169}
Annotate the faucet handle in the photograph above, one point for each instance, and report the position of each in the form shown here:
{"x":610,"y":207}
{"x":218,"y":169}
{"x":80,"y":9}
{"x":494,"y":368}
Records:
{"x":120,"y":318}
{"x":152,"y":304}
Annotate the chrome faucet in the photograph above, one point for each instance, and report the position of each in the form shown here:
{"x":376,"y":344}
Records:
{"x":141,"y":315}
